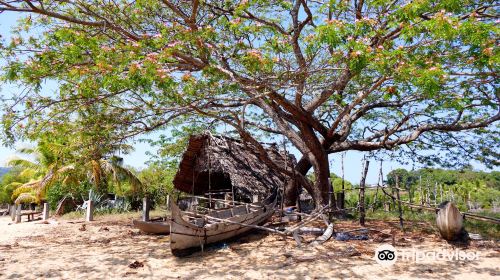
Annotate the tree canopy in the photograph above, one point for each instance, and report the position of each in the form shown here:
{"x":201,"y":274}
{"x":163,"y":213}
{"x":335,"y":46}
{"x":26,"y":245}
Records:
{"x":329,"y":76}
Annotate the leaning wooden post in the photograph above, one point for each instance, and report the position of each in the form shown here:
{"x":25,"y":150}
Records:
{"x":331,"y":193}
{"x":362,"y":194}
{"x":45,"y":215}
{"x":421,"y":191}
{"x":90,"y":211}
{"x":441,"y":190}
{"x":399,"y":203}
{"x":380,"y":183}
{"x":435,"y":193}
{"x":341,"y":195}
{"x":410,"y":195}
{"x":18,"y":213}
{"x":145,"y":209}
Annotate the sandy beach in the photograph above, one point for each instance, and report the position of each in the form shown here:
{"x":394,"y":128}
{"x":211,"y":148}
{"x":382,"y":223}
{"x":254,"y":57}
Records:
{"x":111,"y":248}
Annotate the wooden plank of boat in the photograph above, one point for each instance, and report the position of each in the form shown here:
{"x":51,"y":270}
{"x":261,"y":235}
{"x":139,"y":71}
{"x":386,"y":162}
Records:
{"x":152,"y":227}
{"x":189,"y":236}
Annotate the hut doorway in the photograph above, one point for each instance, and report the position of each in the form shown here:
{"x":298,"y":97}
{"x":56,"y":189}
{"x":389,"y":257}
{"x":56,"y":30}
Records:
{"x":218,"y":184}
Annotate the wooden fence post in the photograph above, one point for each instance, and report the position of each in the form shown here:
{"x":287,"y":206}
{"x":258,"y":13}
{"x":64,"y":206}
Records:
{"x":399,"y":204}
{"x":90,"y":211}
{"x":342,"y":202}
{"x":362,"y":194}
{"x":45,"y":215}
{"x":145,"y":209}
{"x":12,"y":211}
{"x":18,"y":213}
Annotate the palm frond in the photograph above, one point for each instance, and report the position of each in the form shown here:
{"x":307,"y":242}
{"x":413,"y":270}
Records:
{"x":120,"y":173}
{"x":28,"y":173}
{"x":26,"y":198}
{"x":13,"y":185}
{"x":50,"y":178}
{"x":25,"y":188}
{"x":29,"y":151}
{"x":24,"y":163}
{"x":97,"y":172}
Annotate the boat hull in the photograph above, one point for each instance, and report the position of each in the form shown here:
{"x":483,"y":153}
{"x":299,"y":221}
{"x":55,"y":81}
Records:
{"x":449,"y":221}
{"x":152,"y":227}
{"x":186,"y":237}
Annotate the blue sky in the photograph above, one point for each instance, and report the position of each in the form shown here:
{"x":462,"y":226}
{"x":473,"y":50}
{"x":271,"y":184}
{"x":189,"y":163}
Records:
{"x":138,"y":157}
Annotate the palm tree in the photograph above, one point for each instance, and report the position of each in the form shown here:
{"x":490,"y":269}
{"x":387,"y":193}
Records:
{"x":43,"y":168}
{"x":48,"y":167}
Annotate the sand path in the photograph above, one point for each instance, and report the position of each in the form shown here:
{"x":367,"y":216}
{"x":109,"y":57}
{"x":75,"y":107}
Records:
{"x":106,"y":248}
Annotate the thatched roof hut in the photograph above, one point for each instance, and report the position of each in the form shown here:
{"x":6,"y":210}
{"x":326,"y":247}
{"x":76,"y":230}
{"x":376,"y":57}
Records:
{"x":217,"y":163}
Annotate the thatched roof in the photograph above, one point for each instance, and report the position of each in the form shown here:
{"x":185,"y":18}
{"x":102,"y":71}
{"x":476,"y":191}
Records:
{"x":227,"y":163}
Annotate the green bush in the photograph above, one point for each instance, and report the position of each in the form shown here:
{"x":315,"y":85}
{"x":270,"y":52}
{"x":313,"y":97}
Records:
{"x":58,"y":191}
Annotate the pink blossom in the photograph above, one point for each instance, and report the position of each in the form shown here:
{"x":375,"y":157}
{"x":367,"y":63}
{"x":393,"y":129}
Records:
{"x":235,"y":21}
{"x":255,"y":53}
{"x":173,"y":44}
{"x":135,"y":65}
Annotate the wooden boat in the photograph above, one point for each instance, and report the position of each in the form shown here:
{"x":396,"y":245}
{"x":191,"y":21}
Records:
{"x":190,"y":231}
{"x":449,"y":221}
{"x":153,"y":227}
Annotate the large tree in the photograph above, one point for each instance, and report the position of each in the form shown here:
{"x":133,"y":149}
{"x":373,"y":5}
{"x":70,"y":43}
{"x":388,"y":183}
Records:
{"x":330,"y":76}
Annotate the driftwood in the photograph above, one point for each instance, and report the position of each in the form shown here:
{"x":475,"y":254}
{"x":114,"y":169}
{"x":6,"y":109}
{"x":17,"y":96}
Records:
{"x":311,"y":230}
{"x":326,"y":235}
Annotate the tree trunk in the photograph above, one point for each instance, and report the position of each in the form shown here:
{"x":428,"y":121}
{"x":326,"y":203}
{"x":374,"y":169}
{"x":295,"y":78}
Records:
{"x":292,"y":188}
{"x":322,"y":187}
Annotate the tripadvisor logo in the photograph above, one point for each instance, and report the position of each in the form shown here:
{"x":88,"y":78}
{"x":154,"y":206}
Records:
{"x":387,"y":255}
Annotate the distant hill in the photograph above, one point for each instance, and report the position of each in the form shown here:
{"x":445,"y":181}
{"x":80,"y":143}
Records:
{"x":3,"y":170}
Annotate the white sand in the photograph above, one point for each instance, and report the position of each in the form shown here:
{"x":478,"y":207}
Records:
{"x":61,"y":251}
